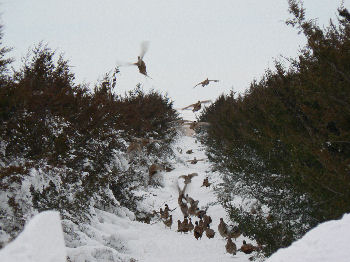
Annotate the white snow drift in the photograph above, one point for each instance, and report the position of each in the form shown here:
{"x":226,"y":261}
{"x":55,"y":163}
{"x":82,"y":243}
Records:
{"x":41,"y":241}
{"x":328,"y":242}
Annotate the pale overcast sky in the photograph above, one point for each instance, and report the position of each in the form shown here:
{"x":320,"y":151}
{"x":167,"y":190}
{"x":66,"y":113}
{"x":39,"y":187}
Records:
{"x":230,"y":40}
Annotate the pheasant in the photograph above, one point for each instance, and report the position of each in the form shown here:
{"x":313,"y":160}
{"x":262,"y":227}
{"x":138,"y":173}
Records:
{"x":247,"y":248}
{"x":209,"y":232}
{"x":197,"y":106}
{"x":169,"y":221}
{"x":207,"y":220}
{"x":188,"y":178}
{"x":140,"y":63}
{"x":195,"y":160}
{"x":154,"y":168}
{"x":206,"y":182}
{"x":222,"y":228}
{"x":205,"y":82}
{"x":197,"y":231}
{"x":234,"y":233}
{"x":231,"y":247}
{"x":179,"y":226}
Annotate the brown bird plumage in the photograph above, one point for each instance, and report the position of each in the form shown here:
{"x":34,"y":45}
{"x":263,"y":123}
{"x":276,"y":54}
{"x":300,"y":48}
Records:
{"x":197,"y":106}
{"x":207,"y":220}
{"x":205,"y":82}
{"x":192,"y":210}
{"x":201,"y":224}
{"x":195,"y":160}
{"x":184,"y":209}
{"x":197,"y":231}
{"x":190,"y":200}
{"x":166,"y":208}
{"x":169,"y":221}
{"x":139,"y":143}
{"x":222,"y":228}
{"x":234,"y":233}
{"x":153,"y":169}
{"x":165,"y":214}
{"x":247,"y":248}
{"x":140,"y":63}
{"x":206,"y":182}
{"x":209,"y":232}
{"x":200,"y":213}
{"x":185,"y":225}
{"x":190,"y":225}
{"x":179,"y":226}
{"x":231,"y":247}
{"x":188,"y":178}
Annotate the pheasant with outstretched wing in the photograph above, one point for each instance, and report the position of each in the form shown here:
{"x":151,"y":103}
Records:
{"x":205,"y":82}
{"x":197,"y":106}
{"x":140,"y":63}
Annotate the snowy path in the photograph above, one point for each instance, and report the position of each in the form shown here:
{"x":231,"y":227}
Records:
{"x":163,"y":244}
{"x":154,"y":242}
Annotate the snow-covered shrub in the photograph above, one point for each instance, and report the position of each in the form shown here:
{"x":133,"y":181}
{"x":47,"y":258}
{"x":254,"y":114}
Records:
{"x":64,"y":148}
{"x":284,"y":143}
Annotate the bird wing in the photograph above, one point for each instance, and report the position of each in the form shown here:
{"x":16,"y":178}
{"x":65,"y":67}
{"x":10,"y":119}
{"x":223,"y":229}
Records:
{"x":192,"y":175}
{"x":198,"y":84}
{"x":144,"y":48}
{"x":122,"y":63}
{"x":213,"y":80}
{"x":188,"y":107}
{"x":205,"y":101}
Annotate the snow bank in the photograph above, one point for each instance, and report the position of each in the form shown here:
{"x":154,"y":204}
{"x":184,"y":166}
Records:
{"x":41,"y":241}
{"x":327,"y":242}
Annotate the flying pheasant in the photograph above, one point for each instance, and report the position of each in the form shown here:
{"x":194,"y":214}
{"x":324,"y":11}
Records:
{"x":205,"y":82}
{"x":140,"y":63}
{"x":195,"y":160}
{"x":197,"y":106}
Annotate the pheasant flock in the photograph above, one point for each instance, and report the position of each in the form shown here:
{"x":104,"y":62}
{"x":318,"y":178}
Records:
{"x":195,"y":219}
{"x":190,"y":210}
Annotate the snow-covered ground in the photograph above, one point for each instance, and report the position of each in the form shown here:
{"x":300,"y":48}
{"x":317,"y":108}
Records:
{"x":118,"y":237}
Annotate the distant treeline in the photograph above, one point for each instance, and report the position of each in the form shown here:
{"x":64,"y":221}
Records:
{"x":285,"y":142}
{"x":63,"y":146}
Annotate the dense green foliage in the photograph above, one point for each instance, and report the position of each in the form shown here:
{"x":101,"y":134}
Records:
{"x":64,"y":147}
{"x":285,"y":143}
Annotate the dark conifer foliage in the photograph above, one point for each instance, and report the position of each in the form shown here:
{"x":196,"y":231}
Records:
{"x":73,"y":141}
{"x":286,"y":141}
